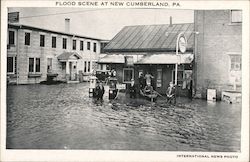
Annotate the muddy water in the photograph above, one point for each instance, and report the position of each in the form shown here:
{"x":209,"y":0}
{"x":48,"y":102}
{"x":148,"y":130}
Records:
{"x":64,"y":117}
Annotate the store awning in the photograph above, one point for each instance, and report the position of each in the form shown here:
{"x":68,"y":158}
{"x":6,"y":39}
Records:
{"x":166,"y":59}
{"x":65,"y":56}
{"x":118,"y":59}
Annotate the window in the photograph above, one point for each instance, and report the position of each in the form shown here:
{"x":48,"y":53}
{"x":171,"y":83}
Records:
{"x":94,"y":49}
{"x":11,"y":38}
{"x":10,"y":64}
{"x":236,"y":16}
{"x":31,"y":64}
{"x":64,"y":43}
{"x":34,"y":65}
{"x":128,"y":74}
{"x":88,"y":66}
{"x":42,"y":39}
{"x":27,"y":39}
{"x":235,"y":63}
{"x":37,"y":64}
{"x":85,"y":66}
{"x":53,"y":42}
{"x":159,"y":78}
{"x":88,"y":45}
{"x":74,"y":45}
{"x":49,"y":65}
{"x":81,"y":45}
{"x":179,"y":77}
{"x":102,"y":46}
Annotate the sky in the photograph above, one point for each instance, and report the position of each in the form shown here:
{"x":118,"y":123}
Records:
{"x":98,"y":23}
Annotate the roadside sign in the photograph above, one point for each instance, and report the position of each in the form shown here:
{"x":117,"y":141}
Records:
{"x":121,"y":86}
{"x":13,"y":17}
{"x":182,"y":44}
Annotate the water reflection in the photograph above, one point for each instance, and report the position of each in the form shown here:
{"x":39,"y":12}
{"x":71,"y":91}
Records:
{"x":64,"y":117}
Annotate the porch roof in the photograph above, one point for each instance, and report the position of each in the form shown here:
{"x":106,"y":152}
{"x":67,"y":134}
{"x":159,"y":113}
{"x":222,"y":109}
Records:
{"x":109,"y":58}
{"x":66,"y":56}
{"x":153,"y":58}
{"x":166,"y":59}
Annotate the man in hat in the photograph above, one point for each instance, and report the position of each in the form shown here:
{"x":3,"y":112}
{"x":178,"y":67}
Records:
{"x":132,"y":89}
{"x":170,"y":91}
{"x":99,"y":90}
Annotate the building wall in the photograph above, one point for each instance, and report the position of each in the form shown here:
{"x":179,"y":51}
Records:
{"x":217,"y":40}
{"x":24,"y":52}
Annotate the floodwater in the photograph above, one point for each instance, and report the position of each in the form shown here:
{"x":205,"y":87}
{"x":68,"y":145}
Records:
{"x":64,"y":117}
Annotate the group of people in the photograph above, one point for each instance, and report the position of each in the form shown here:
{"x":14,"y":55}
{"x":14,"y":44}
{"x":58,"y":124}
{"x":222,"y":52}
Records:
{"x":145,"y":86}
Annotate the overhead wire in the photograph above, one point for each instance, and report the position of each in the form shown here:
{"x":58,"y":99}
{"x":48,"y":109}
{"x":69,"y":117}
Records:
{"x":62,"y":13}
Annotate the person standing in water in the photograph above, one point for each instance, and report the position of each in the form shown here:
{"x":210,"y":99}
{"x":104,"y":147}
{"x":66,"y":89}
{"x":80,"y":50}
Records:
{"x":148,"y":78}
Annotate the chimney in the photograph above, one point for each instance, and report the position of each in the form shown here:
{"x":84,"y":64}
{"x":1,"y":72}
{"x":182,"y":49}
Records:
{"x":67,"y":25}
{"x":170,"y":22}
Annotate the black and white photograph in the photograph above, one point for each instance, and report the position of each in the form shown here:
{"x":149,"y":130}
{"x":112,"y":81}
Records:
{"x":124,"y":79}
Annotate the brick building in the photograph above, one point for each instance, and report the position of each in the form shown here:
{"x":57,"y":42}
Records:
{"x":33,"y":54}
{"x":218,"y":49}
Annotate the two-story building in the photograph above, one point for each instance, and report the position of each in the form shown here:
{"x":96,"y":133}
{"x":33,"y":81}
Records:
{"x":34,"y":54}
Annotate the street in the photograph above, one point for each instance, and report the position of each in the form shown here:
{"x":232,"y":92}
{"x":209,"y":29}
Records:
{"x":64,"y":117}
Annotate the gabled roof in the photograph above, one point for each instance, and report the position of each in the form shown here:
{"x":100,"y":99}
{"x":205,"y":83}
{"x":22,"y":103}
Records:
{"x":150,"y":38}
{"x":66,"y":55}
{"x":21,"y":26}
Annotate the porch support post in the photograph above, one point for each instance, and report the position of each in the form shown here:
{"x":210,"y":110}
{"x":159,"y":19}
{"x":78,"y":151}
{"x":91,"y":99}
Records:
{"x":67,"y":71}
{"x":67,"y":67}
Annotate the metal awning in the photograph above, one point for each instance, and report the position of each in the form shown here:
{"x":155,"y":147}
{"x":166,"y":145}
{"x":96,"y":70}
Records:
{"x":166,"y":59}
{"x":65,"y":56}
{"x":118,"y":59}
{"x":149,"y":58}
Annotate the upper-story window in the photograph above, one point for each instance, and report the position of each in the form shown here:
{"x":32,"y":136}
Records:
{"x":11,"y":37}
{"x":74,"y":44}
{"x":236,"y":16}
{"x":27,"y":39}
{"x":42,"y":40}
{"x":103,"y":44}
{"x":235,"y":62}
{"x":94,"y":48}
{"x":53,"y":42}
{"x":81,"y":45}
{"x":88,"y":45}
{"x":64,"y":43}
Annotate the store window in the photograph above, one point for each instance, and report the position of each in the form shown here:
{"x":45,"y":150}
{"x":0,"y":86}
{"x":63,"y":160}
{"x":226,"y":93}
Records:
{"x":128,"y":74}
{"x":159,"y":78}
{"x":11,"y":38}
{"x":27,"y":39}
{"x":53,"y":42}
{"x":64,"y":43}
{"x":235,"y":63}
{"x":37,"y":68}
{"x":179,"y":77}
{"x":42,"y":40}
{"x":236,"y":16}
{"x":88,"y":45}
{"x":49,"y":65}
{"x":74,"y":45}
{"x":81,"y":45}
{"x":34,"y":65}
